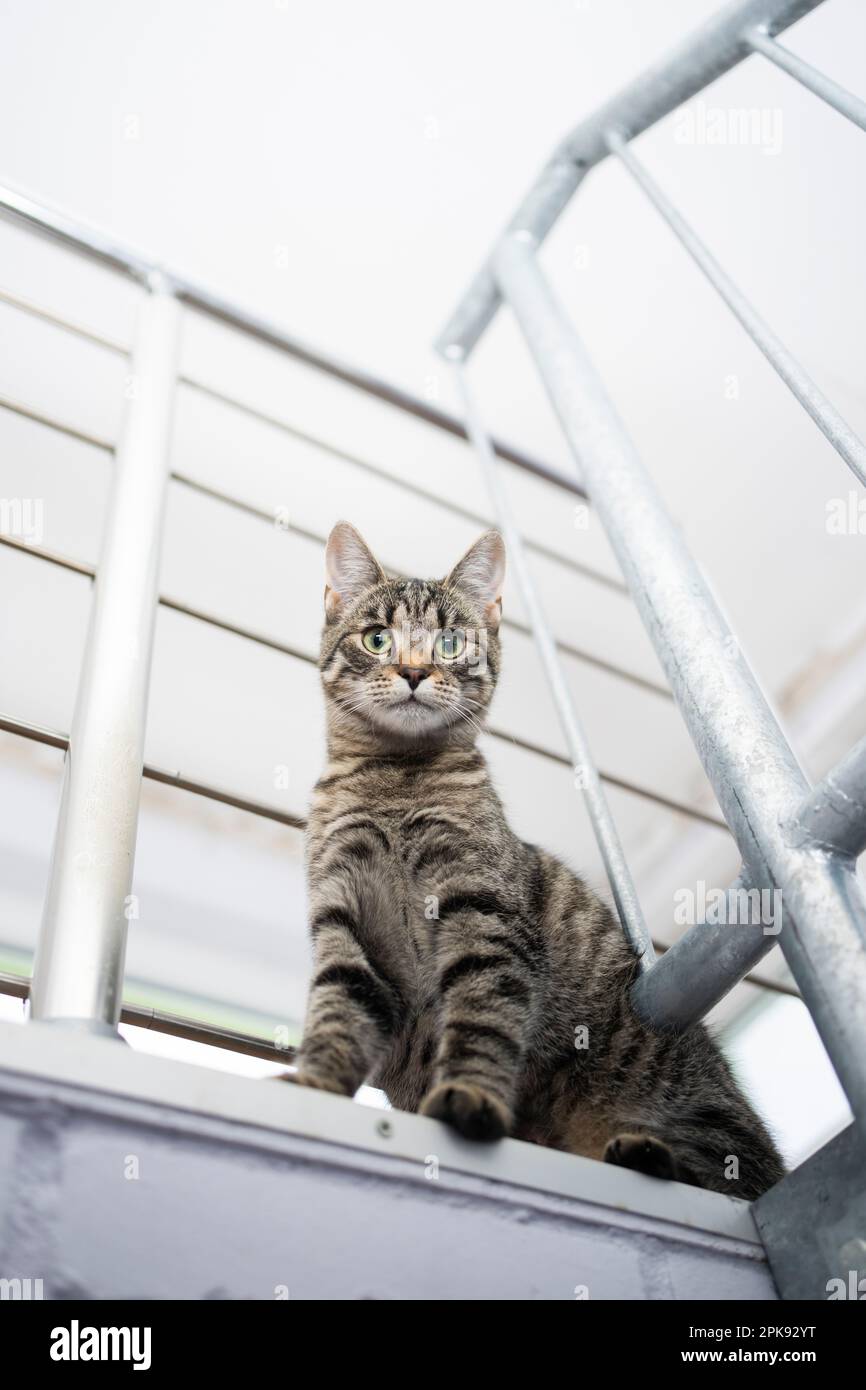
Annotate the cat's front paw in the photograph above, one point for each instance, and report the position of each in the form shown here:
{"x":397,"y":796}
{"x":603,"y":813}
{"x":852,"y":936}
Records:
{"x":643,"y":1154}
{"x":474,"y":1113}
{"x":314,"y":1081}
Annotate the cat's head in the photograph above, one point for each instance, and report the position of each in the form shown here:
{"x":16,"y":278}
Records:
{"x":409,"y":661}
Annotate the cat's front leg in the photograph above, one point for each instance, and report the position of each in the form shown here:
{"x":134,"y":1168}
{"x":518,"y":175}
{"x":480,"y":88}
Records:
{"x":487,"y":989}
{"x":356,"y":1004}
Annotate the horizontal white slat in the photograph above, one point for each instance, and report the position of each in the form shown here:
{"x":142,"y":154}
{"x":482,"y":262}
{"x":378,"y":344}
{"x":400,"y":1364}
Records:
{"x":220,"y":929}
{"x":67,"y":284}
{"x":220,"y":893}
{"x":29,"y":798}
{"x":637,"y":735}
{"x":76,"y":290}
{"x":275,"y":471}
{"x":247,"y":719}
{"x":41,"y":638}
{"x":283,"y":475}
{"x":230,"y":712}
{"x":251,"y":719}
{"x":365,"y":427}
{"x":61,"y":374}
{"x":223,"y":905}
{"x":67,"y":478}
{"x":634,"y":734}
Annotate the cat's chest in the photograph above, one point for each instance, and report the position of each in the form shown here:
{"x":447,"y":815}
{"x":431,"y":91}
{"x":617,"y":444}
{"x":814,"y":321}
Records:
{"x":396,"y":798}
{"x":404,"y":822}
{"x":398,"y":823}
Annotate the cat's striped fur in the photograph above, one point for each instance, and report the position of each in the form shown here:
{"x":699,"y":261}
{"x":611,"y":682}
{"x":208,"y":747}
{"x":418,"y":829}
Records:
{"x":471,"y":975}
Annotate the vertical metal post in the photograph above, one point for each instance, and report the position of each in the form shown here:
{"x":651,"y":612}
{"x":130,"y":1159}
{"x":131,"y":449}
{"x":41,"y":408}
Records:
{"x":604,"y":829}
{"x":750,"y":764}
{"x":78,"y":974}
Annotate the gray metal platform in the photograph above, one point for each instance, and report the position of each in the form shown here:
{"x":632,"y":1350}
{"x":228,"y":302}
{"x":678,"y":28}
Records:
{"x":130,"y":1176}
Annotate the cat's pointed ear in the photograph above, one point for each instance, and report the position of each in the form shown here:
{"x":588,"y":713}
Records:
{"x":350,"y":568}
{"x":480,"y":575}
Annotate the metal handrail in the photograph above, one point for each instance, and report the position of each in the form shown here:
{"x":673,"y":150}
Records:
{"x":798,"y":841}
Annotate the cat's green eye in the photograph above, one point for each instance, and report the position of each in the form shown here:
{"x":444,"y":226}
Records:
{"x":449,"y":644}
{"x":378,"y":641}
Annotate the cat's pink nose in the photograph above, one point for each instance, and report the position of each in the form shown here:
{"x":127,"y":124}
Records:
{"x":413,"y":674}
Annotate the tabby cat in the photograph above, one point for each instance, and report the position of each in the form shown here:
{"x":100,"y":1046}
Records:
{"x":470,"y":975}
